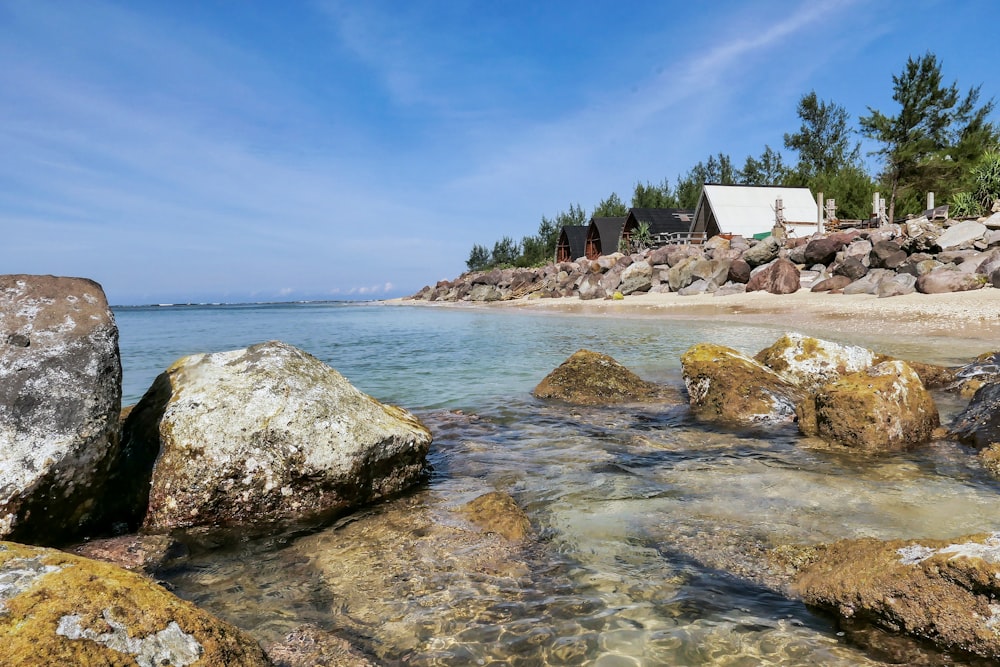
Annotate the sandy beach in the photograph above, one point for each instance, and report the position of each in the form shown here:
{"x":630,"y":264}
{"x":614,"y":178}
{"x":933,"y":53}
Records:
{"x":973,"y":315}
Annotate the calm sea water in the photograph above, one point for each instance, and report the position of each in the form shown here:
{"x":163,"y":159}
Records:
{"x":651,"y":527}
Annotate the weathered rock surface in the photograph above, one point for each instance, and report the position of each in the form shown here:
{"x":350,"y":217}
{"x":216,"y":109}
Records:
{"x":60,"y":397}
{"x":943,"y":591}
{"x":883,"y":408}
{"x":264,"y":435}
{"x":979,"y":423}
{"x":727,"y":385}
{"x":141,"y":553}
{"x":961,"y":234}
{"x":592,"y":378}
{"x":60,"y":609}
{"x":811,"y":362}
{"x":831,"y":284}
{"x":944,"y":280}
{"x":765,"y":251}
{"x":496,"y":512}
{"x":780,"y":277}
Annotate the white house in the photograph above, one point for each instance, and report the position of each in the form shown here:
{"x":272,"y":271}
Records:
{"x":750,"y":209}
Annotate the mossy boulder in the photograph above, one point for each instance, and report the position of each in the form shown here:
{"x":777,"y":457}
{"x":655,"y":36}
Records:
{"x":592,"y":378}
{"x":812,"y":362}
{"x":727,"y":385}
{"x":883,"y":408}
{"x":496,"y":512}
{"x":267,"y":435}
{"x":943,"y":591}
{"x":934,"y":376}
{"x":59,"y":609}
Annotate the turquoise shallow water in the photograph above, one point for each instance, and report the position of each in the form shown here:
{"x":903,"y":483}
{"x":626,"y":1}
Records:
{"x":650,"y":525}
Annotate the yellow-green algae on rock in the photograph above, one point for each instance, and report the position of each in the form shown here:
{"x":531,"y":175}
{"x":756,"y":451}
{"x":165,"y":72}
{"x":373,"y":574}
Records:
{"x":592,"y":378}
{"x":883,"y":408}
{"x":944,"y":591}
{"x":60,"y":609}
{"x":725,"y":384}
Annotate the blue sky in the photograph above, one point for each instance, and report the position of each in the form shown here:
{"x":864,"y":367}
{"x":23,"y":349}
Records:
{"x":257,"y":151}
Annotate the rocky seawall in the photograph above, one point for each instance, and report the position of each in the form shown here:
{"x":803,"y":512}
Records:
{"x":921,"y":255}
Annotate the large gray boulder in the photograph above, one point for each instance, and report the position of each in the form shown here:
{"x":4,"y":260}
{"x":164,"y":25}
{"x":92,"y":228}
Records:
{"x":60,"y":399}
{"x":637,"y":277}
{"x":947,"y":279}
{"x":964,"y":233}
{"x":265,"y":435}
{"x":766,"y":250}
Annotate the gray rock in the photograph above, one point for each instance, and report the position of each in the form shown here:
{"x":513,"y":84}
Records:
{"x":852,"y":267}
{"x":765,"y":251}
{"x":715,"y":271}
{"x":681,"y":274}
{"x":265,"y":435}
{"x":946,"y":279}
{"x":961,"y":234}
{"x":992,"y":222}
{"x":868,"y":284}
{"x":60,"y":399}
{"x":859,"y":249}
{"x":700,"y":286}
{"x":589,"y":287}
{"x":897,"y":285}
{"x":979,"y":423}
{"x":637,"y":278}
{"x":731,"y":288}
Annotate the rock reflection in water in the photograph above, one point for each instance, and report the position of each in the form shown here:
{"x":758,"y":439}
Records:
{"x":653,"y":535}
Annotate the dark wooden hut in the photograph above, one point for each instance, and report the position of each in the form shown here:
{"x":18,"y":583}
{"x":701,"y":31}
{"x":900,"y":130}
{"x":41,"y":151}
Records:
{"x":572,"y":243}
{"x":603,"y":235}
{"x":664,"y":223}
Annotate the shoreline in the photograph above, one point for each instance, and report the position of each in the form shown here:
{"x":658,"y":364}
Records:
{"x":971,"y":315}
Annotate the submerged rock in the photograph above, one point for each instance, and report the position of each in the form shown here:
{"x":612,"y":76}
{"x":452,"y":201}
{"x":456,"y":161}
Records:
{"x":592,"y":378}
{"x":979,"y":423}
{"x":943,"y":591}
{"x":811,"y":362}
{"x":311,"y":646}
{"x":60,"y":397}
{"x":496,"y":512}
{"x":267,"y":434}
{"x":883,"y":408}
{"x":727,"y":385}
{"x":59,"y":609}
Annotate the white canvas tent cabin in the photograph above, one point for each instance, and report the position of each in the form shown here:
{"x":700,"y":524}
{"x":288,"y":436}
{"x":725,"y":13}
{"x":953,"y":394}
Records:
{"x":750,"y":209}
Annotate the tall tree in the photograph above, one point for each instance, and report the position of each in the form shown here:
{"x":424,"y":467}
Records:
{"x":823,"y":142}
{"x":717,"y":169}
{"x":917,"y":142}
{"x":479,"y":258}
{"x":610,"y":207}
{"x":654,"y":196}
{"x":768,"y":169}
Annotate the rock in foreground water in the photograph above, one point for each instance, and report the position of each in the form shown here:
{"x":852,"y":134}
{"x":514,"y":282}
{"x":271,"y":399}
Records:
{"x":883,"y":408}
{"x":727,"y":385}
{"x":943,"y":591}
{"x":60,"y":394}
{"x":979,"y":423}
{"x":268,"y":434}
{"x":812,"y":362}
{"x":592,"y":378}
{"x":59,"y":609}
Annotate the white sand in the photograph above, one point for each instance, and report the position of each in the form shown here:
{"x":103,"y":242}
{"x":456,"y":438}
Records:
{"x":965,"y":315}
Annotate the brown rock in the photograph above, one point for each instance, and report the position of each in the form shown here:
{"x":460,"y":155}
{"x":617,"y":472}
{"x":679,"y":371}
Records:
{"x":496,"y":512}
{"x":143,"y":553}
{"x":310,"y":646}
{"x":60,"y":609}
{"x":943,"y":591}
{"x":781,"y":277}
{"x":592,"y":378}
{"x":881,"y":409}
{"x":832,"y":284}
{"x":724,"y":384}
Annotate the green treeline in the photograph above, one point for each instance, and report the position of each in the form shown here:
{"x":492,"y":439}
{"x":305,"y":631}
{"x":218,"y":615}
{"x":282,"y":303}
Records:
{"x":939,"y":140}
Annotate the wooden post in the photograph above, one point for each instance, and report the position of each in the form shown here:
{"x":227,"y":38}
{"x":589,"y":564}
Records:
{"x":819,"y":212}
{"x":930,"y":201}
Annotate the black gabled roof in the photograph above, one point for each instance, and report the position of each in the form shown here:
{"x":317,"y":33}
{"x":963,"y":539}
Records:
{"x":603,"y":235}
{"x":574,"y":239}
{"x":661,"y":220}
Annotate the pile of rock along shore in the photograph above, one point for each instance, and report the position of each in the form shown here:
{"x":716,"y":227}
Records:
{"x":919,"y":255}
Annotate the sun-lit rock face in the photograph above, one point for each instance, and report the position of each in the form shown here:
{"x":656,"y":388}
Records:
{"x":267,"y":434}
{"x":60,"y":395}
{"x":727,"y":385}
{"x":883,"y":408}
{"x":812,"y":362}
{"x":59,"y":609}
{"x":944,"y":591}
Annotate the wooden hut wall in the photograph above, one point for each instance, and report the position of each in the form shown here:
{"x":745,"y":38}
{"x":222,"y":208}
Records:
{"x":572,"y":243}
